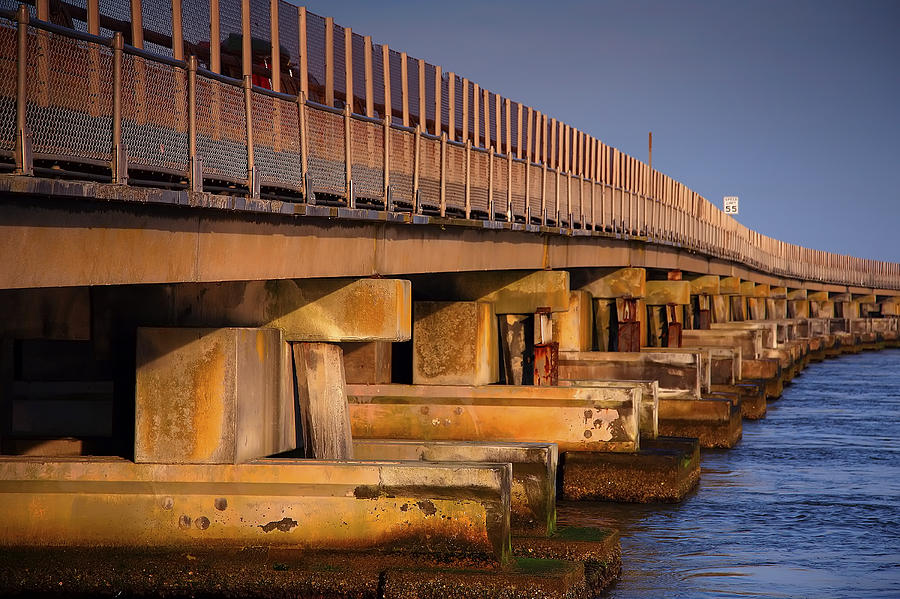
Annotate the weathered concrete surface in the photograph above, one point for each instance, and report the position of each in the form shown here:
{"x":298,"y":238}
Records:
{"x":767,"y":371}
{"x":325,"y":422}
{"x":332,"y":310}
{"x":705,"y":285}
{"x":455,"y":343}
{"x":510,"y":291}
{"x":716,"y":422}
{"x":576,"y":419}
{"x":368,"y":363}
{"x":534,"y":465}
{"x":665,"y":469}
{"x":752,"y":395}
{"x":598,"y":549}
{"x":703,"y":357}
{"x":574,"y":328}
{"x":649,"y":409}
{"x":768,"y":330}
{"x":214,"y":396}
{"x":748,"y":340}
{"x":614,"y":283}
{"x":418,"y":507}
{"x":660,"y":293}
{"x":730,"y":286}
{"x":678,"y":374}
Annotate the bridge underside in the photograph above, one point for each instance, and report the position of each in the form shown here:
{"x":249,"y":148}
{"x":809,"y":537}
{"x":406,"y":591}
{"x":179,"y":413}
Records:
{"x":65,"y":233}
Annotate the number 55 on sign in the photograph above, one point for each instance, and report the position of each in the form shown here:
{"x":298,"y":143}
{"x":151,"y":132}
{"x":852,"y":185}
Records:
{"x":730,"y":204}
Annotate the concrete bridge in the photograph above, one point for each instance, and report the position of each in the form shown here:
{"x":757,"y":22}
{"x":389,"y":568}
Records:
{"x":235,"y":230}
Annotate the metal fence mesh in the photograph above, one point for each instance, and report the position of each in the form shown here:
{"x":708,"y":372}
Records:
{"x":326,"y":152}
{"x":157,"y":17}
{"x":367,"y":159}
{"x":501,"y":183}
{"x":276,"y":142}
{"x":289,"y":42}
{"x":518,"y":189}
{"x":195,"y":28}
{"x":154,"y":115}
{"x":221,"y":130}
{"x":430,"y":172}
{"x":455,"y":184}
{"x":550,"y":198}
{"x":534,"y":191}
{"x":315,"y":63}
{"x":478,"y":182}
{"x":69,"y":97}
{"x":8,"y":46}
{"x":402,"y":146}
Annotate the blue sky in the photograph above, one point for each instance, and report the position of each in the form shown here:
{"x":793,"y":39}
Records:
{"x":791,"y":105}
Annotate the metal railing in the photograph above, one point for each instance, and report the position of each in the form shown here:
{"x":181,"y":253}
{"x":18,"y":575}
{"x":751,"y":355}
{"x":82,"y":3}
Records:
{"x":78,"y":101}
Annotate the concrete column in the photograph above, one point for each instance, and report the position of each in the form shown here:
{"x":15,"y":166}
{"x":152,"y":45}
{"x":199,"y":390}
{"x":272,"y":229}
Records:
{"x":660,"y":295}
{"x":455,"y":343}
{"x":703,"y":290}
{"x":212,"y":396}
{"x":573,"y":329}
{"x":368,"y":363}
{"x":319,"y":372}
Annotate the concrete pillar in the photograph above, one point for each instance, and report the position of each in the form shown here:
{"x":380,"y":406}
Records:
{"x":703,"y":290}
{"x":319,"y":372}
{"x":455,"y":343}
{"x":573,"y":329}
{"x":212,"y":396}
{"x":333,"y":310}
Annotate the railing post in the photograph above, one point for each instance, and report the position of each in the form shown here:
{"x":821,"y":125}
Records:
{"x":24,"y":162}
{"x":119,"y":158}
{"x":491,"y":182}
{"x":348,"y":159}
{"x":509,"y":203}
{"x":308,"y":194}
{"x":417,"y":206}
{"x":544,"y":192}
{"x":195,"y":166}
{"x":388,"y":199}
{"x":468,"y":178}
{"x":443,"y":174}
{"x":252,"y":177}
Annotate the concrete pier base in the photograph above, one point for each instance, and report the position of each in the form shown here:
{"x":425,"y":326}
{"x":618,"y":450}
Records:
{"x":716,"y":422}
{"x":664,"y":470}
{"x":753,"y":397}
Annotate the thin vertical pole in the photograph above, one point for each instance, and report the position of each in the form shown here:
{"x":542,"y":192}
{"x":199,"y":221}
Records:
{"x":518,"y":130}
{"x":386,"y":76}
{"x":119,"y":168}
{"x":252,"y":179}
{"x":404,"y":87}
{"x":275,"y":46}
{"x":177,"y":34}
{"x":93,"y":18}
{"x":438,"y":96}
{"x":24,"y":164}
{"x":195,"y":171}
{"x":423,"y":114}
{"x":465,"y":110}
{"x":215,"y":37}
{"x":304,"y":52}
{"x":497,"y":121}
{"x":348,"y":159}
{"x":476,"y":125}
{"x":443,"y":205}
{"x":246,"y":39}
{"x":329,"y":61}
{"x":508,"y":123}
{"x":349,"y":96}
{"x":43,"y":10}
{"x":370,"y":85}
{"x":451,"y":106}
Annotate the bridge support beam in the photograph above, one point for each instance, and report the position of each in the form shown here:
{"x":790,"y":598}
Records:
{"x":333,"y":310}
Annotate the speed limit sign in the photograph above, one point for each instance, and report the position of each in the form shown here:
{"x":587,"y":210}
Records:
{"x":730,"y":204}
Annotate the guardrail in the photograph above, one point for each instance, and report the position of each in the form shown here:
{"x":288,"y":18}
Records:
{"x":80,"y":102}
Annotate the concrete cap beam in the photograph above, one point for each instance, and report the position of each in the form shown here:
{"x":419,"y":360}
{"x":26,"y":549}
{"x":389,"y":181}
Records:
{"x":660,"y":293}
{"x":455,"y":343}
{"x":332,"y":310}
{"x":511,"y":291}
{"x":730,"y":286}
{"x":705,"y":285}
{"x":614,"y":283}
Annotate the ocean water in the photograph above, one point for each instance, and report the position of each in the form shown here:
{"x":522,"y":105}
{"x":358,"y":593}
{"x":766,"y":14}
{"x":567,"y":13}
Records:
{"x":806,"y":505}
